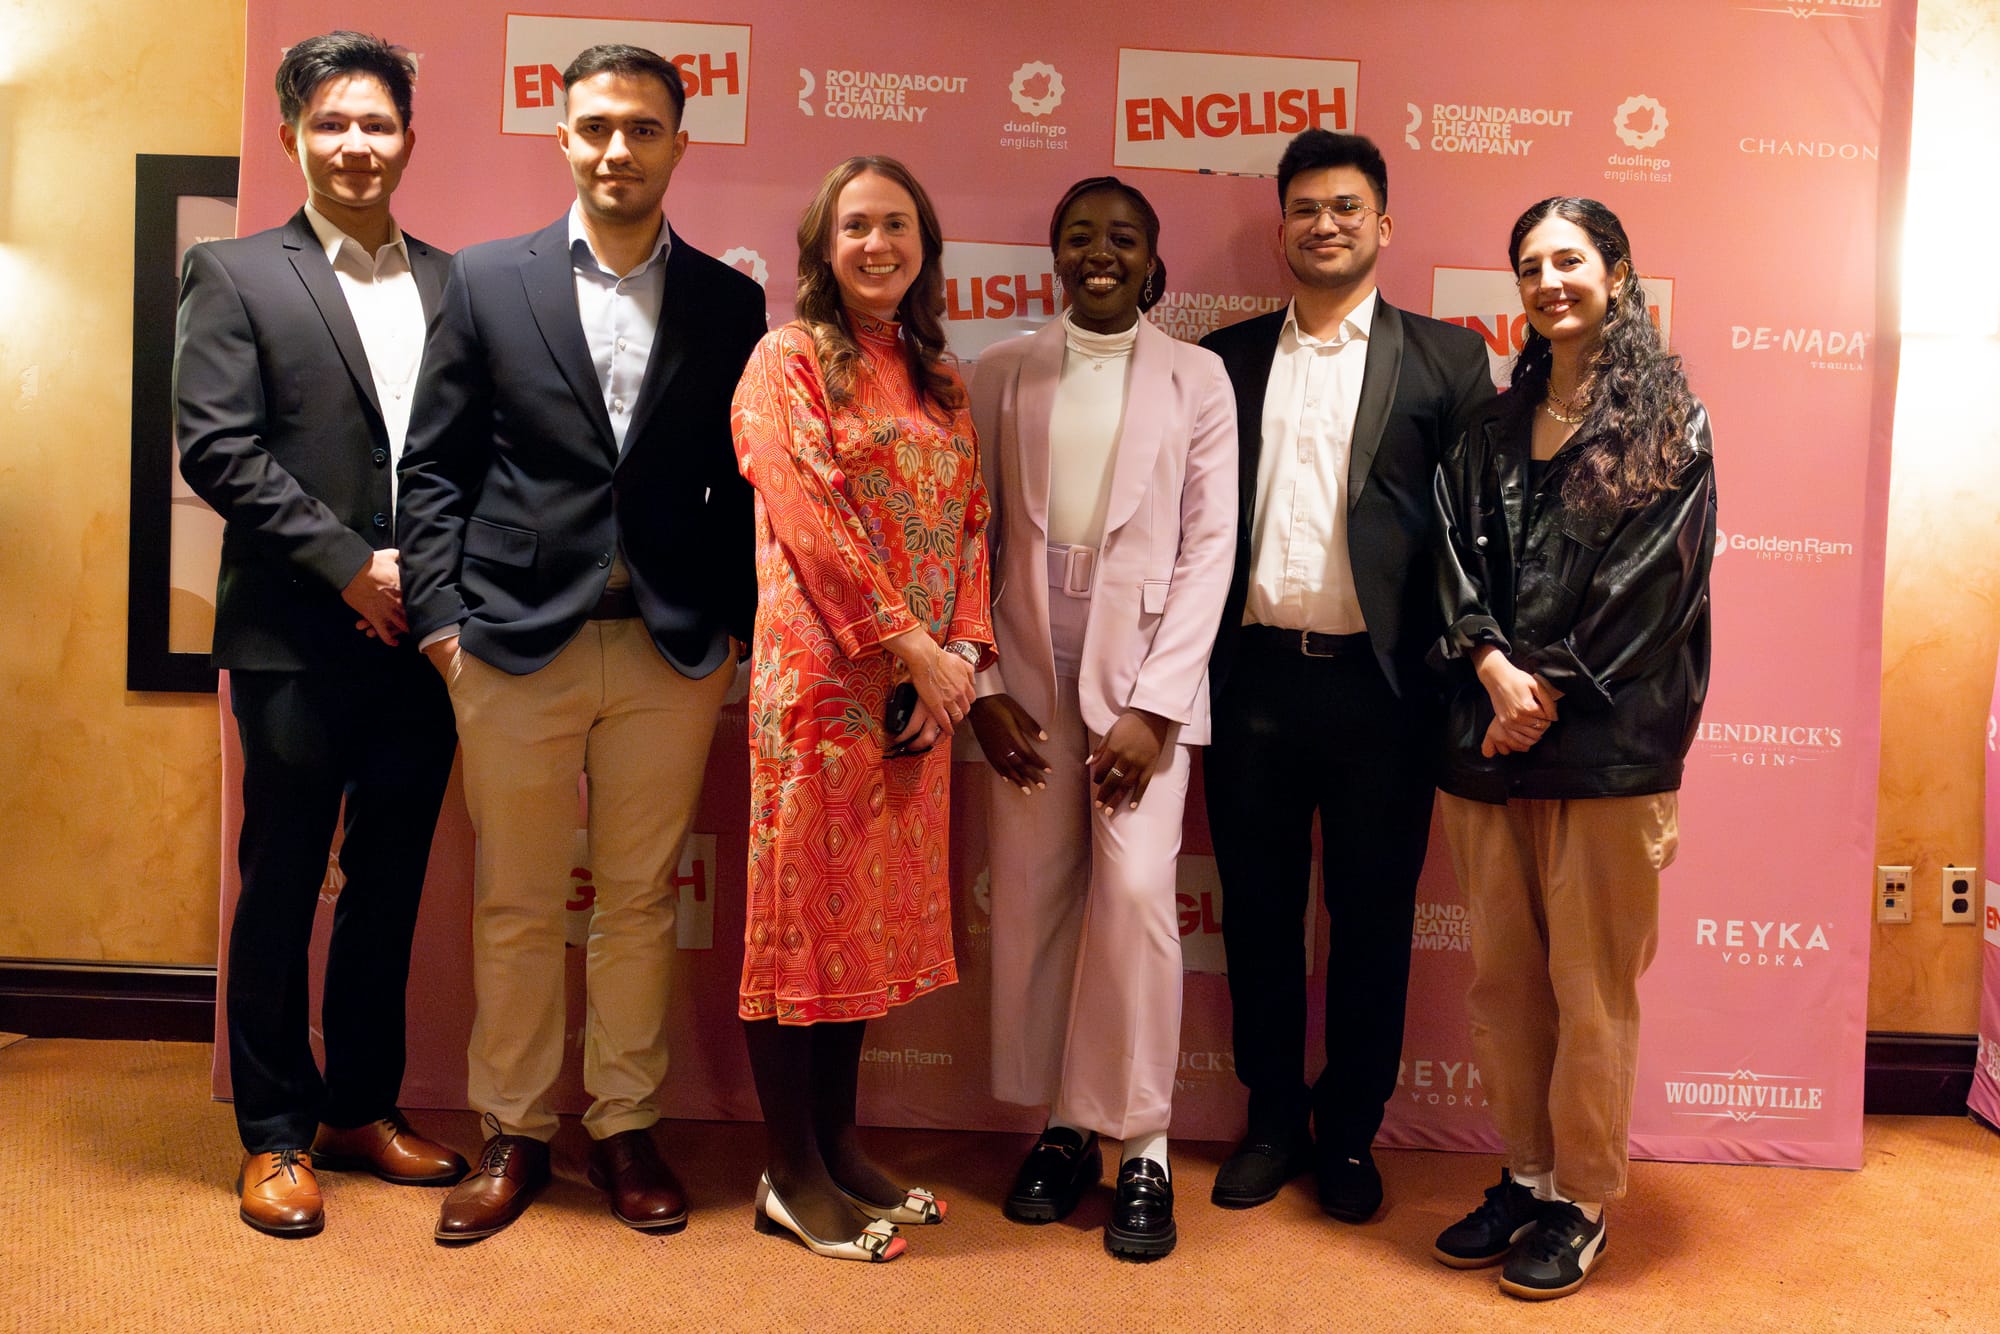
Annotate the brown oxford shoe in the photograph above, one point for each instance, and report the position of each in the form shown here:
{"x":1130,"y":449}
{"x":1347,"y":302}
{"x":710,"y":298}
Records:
{"x":389,"y":1149}
{"x":511,"y":1170}
{"x":644,"y":1192}
{"x":279,"y":1194}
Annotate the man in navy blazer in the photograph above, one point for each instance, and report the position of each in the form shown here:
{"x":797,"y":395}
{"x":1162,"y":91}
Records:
{"x":1322,"y":705}
{"x":580,"y":567}
{"x":295,"y":358}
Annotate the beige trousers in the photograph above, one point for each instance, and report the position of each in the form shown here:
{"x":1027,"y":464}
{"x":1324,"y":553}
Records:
{"x":609,"y":707}
{"x":1564,"y":899}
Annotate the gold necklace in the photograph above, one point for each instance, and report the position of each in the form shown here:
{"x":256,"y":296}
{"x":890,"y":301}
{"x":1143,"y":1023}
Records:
{"x":1566,"y":410}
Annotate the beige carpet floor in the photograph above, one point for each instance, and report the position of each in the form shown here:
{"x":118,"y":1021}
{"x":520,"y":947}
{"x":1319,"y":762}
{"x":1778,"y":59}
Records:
{"x":116,"y":1213}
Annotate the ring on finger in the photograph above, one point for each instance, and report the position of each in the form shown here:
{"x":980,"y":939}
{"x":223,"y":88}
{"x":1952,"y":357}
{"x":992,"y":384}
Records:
{"x":1116,"y":772}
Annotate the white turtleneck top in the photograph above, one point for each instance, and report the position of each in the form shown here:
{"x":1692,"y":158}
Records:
{"x":1083,"y":431}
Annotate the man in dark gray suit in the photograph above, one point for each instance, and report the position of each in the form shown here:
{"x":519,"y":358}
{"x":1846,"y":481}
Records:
{"x":295,"y":360}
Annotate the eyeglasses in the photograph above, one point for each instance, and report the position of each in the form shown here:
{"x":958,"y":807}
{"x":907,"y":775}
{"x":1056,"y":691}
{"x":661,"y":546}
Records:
{"x":1346,"y":210}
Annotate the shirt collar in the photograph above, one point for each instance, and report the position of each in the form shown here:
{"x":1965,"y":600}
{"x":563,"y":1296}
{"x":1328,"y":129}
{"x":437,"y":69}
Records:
{"x":1357,"y":324}
{"x":331,"y":238}
{"x":581,"y":253}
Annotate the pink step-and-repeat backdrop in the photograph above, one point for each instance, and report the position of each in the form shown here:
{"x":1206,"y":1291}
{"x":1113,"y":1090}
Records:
{"x":1755,"y":149}
{"x":1985,"y":1098}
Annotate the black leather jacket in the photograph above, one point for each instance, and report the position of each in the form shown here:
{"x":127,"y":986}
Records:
{"x":1613,"y":612}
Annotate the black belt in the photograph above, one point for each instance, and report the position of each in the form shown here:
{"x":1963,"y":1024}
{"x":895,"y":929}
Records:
{"x":615,"y":604}
{"x":1307,"y":643}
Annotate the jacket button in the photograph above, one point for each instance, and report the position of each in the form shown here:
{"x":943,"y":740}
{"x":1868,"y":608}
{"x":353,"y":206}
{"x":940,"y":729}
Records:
{"x":380,"y":456}
{"x":381,"y":520}
{"x":604,"y":560}
{"x":1479,"y":541}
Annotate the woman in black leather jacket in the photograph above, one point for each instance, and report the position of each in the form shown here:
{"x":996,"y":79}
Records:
{"x":1577,"y":526}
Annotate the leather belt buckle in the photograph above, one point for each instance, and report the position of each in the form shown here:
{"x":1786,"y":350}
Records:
{"x":1306,"y":646}
{"x":615,"y":604}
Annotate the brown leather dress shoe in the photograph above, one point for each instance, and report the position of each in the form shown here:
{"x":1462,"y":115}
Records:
{"x":389,"y":1149}
{"x":644,"y":1192}
{"x":511,"y":1170}
{"x":279,"y":1194}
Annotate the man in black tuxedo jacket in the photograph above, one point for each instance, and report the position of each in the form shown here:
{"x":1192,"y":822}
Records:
{"x":295,"y":357}
{"x":580,"y":567}
{"x":1344,"y":406}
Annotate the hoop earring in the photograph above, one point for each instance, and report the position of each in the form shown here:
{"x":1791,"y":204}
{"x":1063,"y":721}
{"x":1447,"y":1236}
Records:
{"x":1146,"y":292}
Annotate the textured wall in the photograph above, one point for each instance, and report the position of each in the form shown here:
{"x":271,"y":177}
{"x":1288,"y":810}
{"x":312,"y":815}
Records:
{"x":1941,"y":604}
{"x":108,"y":811}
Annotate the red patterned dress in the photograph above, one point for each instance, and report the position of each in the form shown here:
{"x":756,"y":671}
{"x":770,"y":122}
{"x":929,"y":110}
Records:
{"x":871,"y":521}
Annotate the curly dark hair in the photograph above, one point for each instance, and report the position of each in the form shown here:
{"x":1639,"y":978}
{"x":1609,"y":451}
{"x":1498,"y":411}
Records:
{"x":1633,"y":440}
{"x":921,"y":311}
{"x":1148,"y":219}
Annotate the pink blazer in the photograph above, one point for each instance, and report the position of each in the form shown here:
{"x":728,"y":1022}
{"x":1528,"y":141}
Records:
{"x":1169,"y":543}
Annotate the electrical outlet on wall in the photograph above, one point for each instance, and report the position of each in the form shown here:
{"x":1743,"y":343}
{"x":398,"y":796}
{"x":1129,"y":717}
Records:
{"x":1892,"y":893}
{"x":1960,"y":902}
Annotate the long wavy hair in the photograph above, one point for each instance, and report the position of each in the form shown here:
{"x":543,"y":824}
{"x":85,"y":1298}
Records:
{"x":920,"y":313}
{"x":1633,"y":440}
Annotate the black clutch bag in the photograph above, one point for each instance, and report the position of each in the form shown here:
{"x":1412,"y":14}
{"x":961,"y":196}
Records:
{"x":902,"y":704}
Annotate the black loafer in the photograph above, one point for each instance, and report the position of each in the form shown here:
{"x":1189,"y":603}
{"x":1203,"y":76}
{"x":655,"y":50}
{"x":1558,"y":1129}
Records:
{"x":1350,"y":1188}
{"x":1142,"y":1217}
{"x":1054,"y":1176}
{"x":1259,"y":1169}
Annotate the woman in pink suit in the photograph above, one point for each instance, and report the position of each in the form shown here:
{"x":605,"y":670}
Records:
{"x":1110,"y":457}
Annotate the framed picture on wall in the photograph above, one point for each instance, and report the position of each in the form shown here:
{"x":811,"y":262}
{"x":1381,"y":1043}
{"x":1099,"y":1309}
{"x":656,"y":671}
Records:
{"x":176,"y":538}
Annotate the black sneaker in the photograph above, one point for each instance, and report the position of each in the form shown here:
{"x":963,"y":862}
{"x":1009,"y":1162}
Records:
{"x":1484,"y":1236}
{"x":1553,"y":1259}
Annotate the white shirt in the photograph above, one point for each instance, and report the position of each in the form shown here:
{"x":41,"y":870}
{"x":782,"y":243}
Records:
{"x":1083,"y":431}
{"x":381,"y":292}
{"x":1301,"y":577}
{"x":620,"y":317}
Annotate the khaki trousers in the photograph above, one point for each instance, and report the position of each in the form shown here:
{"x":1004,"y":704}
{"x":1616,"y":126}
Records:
{"x":609,"y":707}
{"x":1564,"y":901}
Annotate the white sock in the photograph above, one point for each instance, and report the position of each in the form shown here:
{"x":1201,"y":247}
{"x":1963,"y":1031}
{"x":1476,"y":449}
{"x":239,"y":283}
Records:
{"x":1542,"y":1185}
{"x":1153,"y":1147}
{"x":1590,"y":1209}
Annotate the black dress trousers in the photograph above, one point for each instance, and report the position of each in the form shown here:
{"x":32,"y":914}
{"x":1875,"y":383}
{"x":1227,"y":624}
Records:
{"x":379,"y":737}
{"x":1293,"y":736}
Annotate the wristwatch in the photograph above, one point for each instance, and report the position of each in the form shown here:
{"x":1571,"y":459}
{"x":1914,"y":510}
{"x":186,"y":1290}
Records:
{"x":966,"y":649}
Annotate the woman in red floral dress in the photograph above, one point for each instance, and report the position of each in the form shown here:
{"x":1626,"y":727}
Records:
{"x":871,"y":570}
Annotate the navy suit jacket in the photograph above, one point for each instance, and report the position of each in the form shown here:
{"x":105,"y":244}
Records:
{"x":515,"y":493}
{"x":1423,"y":382}
{"x":279,"y":430}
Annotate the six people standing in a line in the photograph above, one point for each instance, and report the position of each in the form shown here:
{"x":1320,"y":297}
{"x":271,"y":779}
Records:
{"x":1236,"y":546}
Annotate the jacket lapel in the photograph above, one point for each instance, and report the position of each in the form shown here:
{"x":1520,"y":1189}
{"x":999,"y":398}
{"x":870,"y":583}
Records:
{"x":551,"y":288}
{"x":1041,"y":371}
{"x":429,"y":269}
{"x":679,"y":313}
{"x":308,"y":256}
{"x":1378,"y":395}
{"x":1251,"y":376}
{"x":1146,"y":398}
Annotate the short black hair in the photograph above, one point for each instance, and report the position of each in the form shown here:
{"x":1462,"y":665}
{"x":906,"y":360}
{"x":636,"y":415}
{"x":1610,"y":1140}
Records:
{"x":633,"y":62}
{"x":1315,"y":150}
{"x":343,"y":54}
